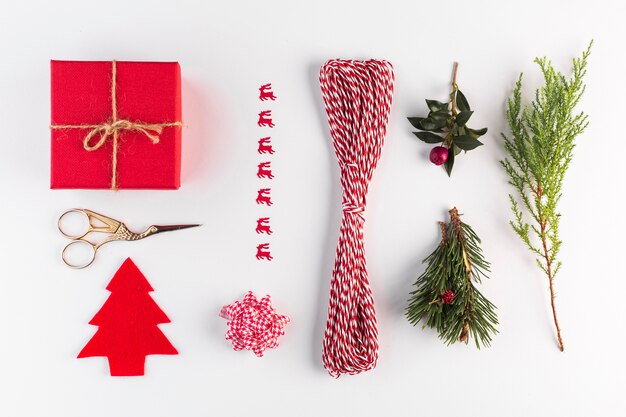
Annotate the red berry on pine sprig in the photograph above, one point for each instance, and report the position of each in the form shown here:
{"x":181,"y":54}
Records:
{"x":438,"y":155}
{"x":447,"y":297}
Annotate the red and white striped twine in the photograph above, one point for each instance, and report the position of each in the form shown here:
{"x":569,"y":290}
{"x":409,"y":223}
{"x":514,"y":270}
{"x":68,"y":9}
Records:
{"x":357,"y":96}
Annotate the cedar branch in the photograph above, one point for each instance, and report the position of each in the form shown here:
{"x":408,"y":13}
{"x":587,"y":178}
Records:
{"x":539,"y":148}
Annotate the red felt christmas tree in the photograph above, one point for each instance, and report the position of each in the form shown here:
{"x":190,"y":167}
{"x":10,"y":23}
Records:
{"x":128,"y":324}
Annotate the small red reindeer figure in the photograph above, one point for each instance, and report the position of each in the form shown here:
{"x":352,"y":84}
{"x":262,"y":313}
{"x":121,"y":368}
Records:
{"x":265,"y":146}
{"x":265,"y":170}
{"x":263,"y":252}
{"x":263,"y":226}
{"x":263,"y":197}
{"x":265,"y":119}
{"x":266,"y":92}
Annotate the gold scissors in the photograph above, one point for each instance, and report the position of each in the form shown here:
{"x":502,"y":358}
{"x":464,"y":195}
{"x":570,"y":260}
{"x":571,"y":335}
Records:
{"x":115,"y":229}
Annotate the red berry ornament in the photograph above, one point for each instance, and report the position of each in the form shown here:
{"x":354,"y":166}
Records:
{"x":447,"y":297}
{"x":439,"y":155}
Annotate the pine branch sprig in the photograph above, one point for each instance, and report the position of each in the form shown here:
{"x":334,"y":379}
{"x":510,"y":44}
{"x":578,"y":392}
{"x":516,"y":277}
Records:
{"x":539,"y":151}
{"x":446,"y":297}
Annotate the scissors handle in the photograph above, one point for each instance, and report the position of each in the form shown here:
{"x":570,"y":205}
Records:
{"x":110,"y":225}
{"x":67,"y":258}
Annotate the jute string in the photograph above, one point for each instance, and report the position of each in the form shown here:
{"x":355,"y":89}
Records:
{"x":110,"y":130}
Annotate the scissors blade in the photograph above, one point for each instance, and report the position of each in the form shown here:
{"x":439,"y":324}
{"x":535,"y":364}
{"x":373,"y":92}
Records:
{"x":169,"y":228}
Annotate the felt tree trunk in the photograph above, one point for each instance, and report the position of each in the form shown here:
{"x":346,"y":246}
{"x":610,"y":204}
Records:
{"x":128,"y":324}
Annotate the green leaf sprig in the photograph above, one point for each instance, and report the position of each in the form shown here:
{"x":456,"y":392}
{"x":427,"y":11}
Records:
{"x":446,"y":123}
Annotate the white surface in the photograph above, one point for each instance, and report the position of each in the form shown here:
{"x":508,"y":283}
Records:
{"x":226,"y":51}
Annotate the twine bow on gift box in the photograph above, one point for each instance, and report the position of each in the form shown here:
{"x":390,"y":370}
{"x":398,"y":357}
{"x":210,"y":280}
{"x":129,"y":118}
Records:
{"x":110,"y":129}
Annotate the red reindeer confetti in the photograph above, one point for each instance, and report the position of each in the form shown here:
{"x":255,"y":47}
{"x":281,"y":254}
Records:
{"x":263,"y":226}
{"x":263,"y":252}
{"x":265,"y":170}
{"x":265,"y":119}
{"x":264,"y":197}
{"x":253,"y":325}
{"x":265,"y":146}
{"x":266,"y":93}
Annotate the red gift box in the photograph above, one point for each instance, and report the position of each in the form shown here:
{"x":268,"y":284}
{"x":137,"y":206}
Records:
{"x":115,"y":125}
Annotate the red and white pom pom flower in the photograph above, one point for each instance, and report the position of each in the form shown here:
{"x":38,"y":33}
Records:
{"x":253,"y":325}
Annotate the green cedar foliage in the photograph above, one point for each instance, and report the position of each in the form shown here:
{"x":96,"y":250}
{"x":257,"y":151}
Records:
{"x":454,"y":267}
{"x":539,"y":148}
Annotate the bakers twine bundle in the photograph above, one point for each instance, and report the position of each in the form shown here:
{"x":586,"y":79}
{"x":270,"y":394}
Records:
{"x":357,"y":96}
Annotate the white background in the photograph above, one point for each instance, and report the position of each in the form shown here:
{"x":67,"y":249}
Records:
{"x":226,"y":50}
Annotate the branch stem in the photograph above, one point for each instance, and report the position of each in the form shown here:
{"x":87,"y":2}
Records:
{"x":456,"y":69}
{"x":455,"y":219}
{"x":454,"y":88}
{"x":444,"y":233}
{"x":546,"y":255}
